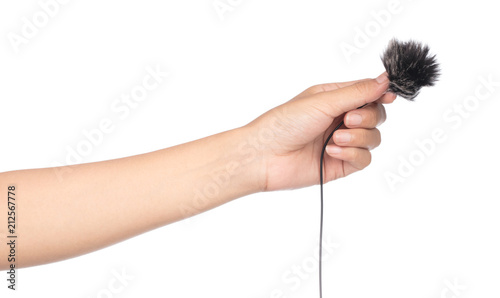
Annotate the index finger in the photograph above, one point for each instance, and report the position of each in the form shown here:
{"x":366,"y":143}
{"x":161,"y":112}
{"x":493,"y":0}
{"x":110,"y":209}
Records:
{"x":342,"y":100}
{"x":325,"y":88}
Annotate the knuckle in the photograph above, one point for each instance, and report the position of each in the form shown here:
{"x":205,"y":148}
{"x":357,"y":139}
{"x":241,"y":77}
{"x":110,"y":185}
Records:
{"x":315,"y":89}
{"x":372,"y":117}
{"x":354,"y":155}
{"x":355,"y":137}
{"x":366,"y":137}
{"x":363,"y":87}
{"x":382,"y":114}
{"x":360,"y":87}
{"x":378,"y":138}
{"x":360,"y":137}
{"x":368,"y":159}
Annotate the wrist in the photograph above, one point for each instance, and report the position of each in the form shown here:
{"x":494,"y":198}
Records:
{"x":245,"y":163}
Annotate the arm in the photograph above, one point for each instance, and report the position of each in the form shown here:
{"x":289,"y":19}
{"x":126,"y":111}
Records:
{"x":90,"y":206}
{"x":97,"y":204}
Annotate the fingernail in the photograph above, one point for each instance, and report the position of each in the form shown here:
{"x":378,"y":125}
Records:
{"x":332,"y":149}
{"x":382,"y":78}
{"x":392,"y":95}
{"x":342,"y":137}
{"x":354,"y":119}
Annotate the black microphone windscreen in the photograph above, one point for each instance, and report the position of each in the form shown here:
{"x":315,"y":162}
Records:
{"x":410,"y":67}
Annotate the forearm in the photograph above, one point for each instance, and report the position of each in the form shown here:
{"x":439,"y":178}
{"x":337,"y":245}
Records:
{"x":90,"y":206}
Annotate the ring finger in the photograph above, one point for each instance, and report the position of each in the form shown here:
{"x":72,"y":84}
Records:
{"x":357,"y":137}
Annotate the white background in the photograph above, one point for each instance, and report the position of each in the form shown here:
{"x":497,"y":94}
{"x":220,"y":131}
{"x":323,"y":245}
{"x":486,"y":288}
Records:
{"x":438,"y":226}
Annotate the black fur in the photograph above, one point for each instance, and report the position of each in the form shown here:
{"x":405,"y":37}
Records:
{"x":410,"y":67}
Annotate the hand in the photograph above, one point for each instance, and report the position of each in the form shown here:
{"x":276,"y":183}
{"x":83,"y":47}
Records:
{"x":292,"y":135}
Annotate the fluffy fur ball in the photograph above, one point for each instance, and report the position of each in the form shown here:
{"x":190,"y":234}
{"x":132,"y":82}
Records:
{"x":410,"y":67}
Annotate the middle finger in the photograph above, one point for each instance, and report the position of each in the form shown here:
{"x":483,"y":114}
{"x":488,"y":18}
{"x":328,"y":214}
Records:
{"x":368,"y":117}
{"x":357,"y":137}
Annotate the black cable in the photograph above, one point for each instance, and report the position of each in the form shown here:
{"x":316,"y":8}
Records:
{"x":321,"y":166}
{"x":321,"y":217}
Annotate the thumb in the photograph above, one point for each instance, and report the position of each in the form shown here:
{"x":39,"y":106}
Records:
{"x":337,"y":102}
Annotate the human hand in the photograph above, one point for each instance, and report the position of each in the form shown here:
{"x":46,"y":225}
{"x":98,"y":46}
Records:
{"x":294,"y":133}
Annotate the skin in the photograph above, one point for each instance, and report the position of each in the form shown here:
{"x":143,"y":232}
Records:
{"x":91,"y":206}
